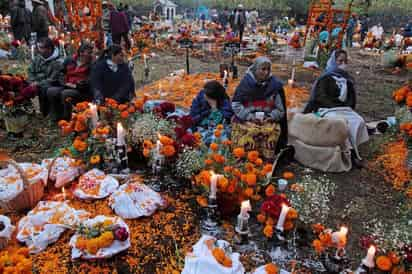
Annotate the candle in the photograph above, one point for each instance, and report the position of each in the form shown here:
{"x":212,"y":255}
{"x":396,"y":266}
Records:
{"x":32,"y":52}
{"x":369,"y":260}
{"x":213,"y":185}
{"x":340,"y":237}
{"x":225,"y":75}
{"x":145,"y":61}
{"x":290,"y":82}
{"x":244,"y":208}
{"x":282,"y":217}
{"x":293,"y":73}
{"x":64,"y":194}
{"x":120,"y":134}
{"x":94,"y":115}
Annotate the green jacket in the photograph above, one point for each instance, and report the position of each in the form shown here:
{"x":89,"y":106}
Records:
{"x":46,"y":72}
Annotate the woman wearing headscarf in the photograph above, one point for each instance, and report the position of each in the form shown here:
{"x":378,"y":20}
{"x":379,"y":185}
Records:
{"x":260,"y":111}
{"x":333,"y":95}
{"x":210,"y":108}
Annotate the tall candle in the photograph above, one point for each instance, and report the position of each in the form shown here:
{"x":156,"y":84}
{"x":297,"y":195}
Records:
{"x":64,"y":194}
{"x":282,"y":217}
{"x":369,"y":260}
{"x":245,"y":207}
{"x":145,"y":60}
{"x":120,"y":134}
{"x":94,"y":114}
{"x":340,"y":237}
{"x":213,"y":185}
{"x":32,"y":52}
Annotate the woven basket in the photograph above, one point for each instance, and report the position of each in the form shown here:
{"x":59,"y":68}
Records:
{"x":28,"y":198}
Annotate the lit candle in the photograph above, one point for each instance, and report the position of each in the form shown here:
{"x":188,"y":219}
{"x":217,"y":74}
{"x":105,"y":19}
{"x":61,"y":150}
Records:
{"x":64,"y":194}
{"x":282,"y":217}
{"x":340,"y":237}
{"x":94,"y":115}
{"x":62,"y":46}
{"x":225,"y":75}
{"x":213,"y":185}
{"x":145,"y":61}
{"x":244,"y":208}
{"x":32,"y":52}
{"x":120,"y":134}
{"x":290,"y":82}
{"x":369,"y":260}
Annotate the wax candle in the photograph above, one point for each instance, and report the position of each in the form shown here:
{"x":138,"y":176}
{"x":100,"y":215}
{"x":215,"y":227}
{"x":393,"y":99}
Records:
{"x":64,"y":194}
{"x":340,"y":237}
{"x":282,"y":217}
{"x":369,"y":260}
{"x":32,"y":52}
{"x":94,"y":115}
{"x":145,"y":60}
{"x":120,"y":134}
{"x":213,"y":185}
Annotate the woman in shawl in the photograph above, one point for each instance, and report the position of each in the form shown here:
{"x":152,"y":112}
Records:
{"x":260,"y":111}
{"x":333,"y":95}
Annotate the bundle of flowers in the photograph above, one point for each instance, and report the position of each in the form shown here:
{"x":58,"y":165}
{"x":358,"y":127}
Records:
{"x":189,"y":163}
{"x":242,"y":173}
{"x":91,"y":125}
{"x":403,"y":95}
{"x":15,"y":261}
{"x":271,"y":211}
{"x":15,"y":95}
{"x":327,"y":240}
{"x":147,"y":127}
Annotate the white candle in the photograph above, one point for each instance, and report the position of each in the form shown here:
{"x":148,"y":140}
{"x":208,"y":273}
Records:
{"x":290,"y":82}
{"x":244,"y":208}
{"x":94,"y":115}
{"x":213,"y":185}
{"x":120,"y":134}
{"x":225,"y":75}
{"x":282,"y":217}
{"x":340,"y":237}
{"x":145,"y":60}
{"x":293,"y":73}
{"x":64,"y":194}
{"x":369,"y":260}
{"x":32,"y":52}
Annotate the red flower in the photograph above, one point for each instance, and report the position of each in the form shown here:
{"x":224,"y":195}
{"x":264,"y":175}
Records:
{"x":186,"y":121}
{"x":15,"y":43}
{"x":180,"y":132}
{"x":408,"y":253}
{"x":188,"y":140}
{"x":164,"y":108}
{"x":272,"y":206}
{"x":366,"y":241}
{"x":29,"y":92}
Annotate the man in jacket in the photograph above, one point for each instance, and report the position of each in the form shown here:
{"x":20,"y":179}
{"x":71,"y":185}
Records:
{"x":239,"y":21}
{"x":45,"y":71}
{"x":40,"y":19}
{"x":119,"y":27}
{"x":20,"y":21}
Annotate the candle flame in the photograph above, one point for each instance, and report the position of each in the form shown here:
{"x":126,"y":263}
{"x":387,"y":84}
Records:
{"x":284,"y":206}
{"x":246,"y":205}
{"x":372,"y":249}
{"x":119,"y":126}
{"x":344,"y":230}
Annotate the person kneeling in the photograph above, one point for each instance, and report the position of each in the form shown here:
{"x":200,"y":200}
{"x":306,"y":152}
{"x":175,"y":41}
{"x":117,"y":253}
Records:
{"x":75,"y":86}
{"x":260,"y":111}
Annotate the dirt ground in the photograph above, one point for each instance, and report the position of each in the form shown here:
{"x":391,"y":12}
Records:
{"x":361,"y":189}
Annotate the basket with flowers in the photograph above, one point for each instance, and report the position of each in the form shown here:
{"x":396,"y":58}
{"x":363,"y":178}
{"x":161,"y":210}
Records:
{"x":15,"y":100}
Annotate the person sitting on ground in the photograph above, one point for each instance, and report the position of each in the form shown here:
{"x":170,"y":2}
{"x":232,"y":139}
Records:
{"x":111,"y":77}
{"x":260,"y":111}
{"x":333,"y":95}
{"x":44,"y":71}
{"x":210,"y":108}
{"x":75,"y":85}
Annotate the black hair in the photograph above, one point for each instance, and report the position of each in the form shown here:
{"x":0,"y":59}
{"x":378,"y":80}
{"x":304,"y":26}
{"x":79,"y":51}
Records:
{"x":115,"y":49}
{"x":46,"y":42}
{"x":341,"y":51}
{"x":214,"y":90}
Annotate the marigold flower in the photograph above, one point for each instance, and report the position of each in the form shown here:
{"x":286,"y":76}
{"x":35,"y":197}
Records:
{"x":219,"y":127}
{"x":317,"y":245}
{"x":122,"y":107}
{"x":217,"y":133}
{"x":219,"y":158}
{"x":384,"y":263}
{"x":252,"y":156}
{"x":131,"y":109}
{"x":168,"y":150}
{"x":261,"y":218}
{"x":214,"y":146}
{"x":227,"y":142}
{"x":271,"y":269}
{"x":239,"y":152}
{"x":166,"y":141}
{"x":147,"y":144}
{"x":318,"y":228}
{"x":62,"y":123}
{"x":95,"y":159}
{"x":268,"y":231}
{"x":202,"y":201}
{"x":288,"y":175}
{"x":270,"y":190}
{"x":267,"y":168}
{"x":292,"y":214}
{"x":395,"y":259}
{"x":270,"y":221}
{"x":79,"y":145}
{"x":236,"y":172}
{"x":259,"y":162}
{"x":288,"y":225}
{"x":325,"y":238}
{"x":146,"y":152}
{"x":223,"y":183}
{"x":231,"y":188}
{"x":249,"y":167}
{"x":251,"y":179}
{"x":248,"y":192}
{"x":124,"y":114}
{"x":208,"y":162}
{"x":227,"y":169}
{"x":221,"y":257}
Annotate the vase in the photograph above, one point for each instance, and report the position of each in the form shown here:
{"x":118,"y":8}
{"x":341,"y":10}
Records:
{"x":16,"y":124}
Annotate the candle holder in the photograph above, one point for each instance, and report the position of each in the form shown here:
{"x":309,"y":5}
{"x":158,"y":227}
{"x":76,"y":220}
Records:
{"x":363,"y":269}
{"x":121,"y":159}
{"x":210,"y":225}
{"x":242,"y":228}
{"x":336,"y":263}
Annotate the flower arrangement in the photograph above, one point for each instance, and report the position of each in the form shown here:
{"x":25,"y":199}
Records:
{"x":100,"y":235}
{"x":15,"y":261}
{"x":15,"y":95}
{"x":147,"y":127}
{"x":189,"y":163}
{"x":403,"y":95}
{"x":311,"y":197}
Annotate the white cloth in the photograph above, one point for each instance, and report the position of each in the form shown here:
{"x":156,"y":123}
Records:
{"x":95,"y":184}
{"x":45,"y":223}
{"x":262,"y":270}
{"x":11,"y":183}
{"x":132,"y":201}
{"x":8,"y":227}
{"x":342,"y":84}
{"x":116,"y":247}
{"x":63,"y":171}
{"x":357,"y":126}
{"x":201,"y":261}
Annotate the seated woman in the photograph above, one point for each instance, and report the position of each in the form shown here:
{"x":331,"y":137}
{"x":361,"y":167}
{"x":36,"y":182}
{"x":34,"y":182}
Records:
{"x":112,"y":78}
{"x":210,"y":108}
{"x":333,"y":95}
{"x":75,"y":85}
{"x":260,"y":111}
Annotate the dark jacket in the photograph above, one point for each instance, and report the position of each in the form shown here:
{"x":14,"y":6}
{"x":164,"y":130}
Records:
{"x":200,"y":109}
{"x":20,"y":20}
{"x":326,"y":94}
{"x":106,"y":83}
{"x":40,"y":21}
{"x":46,"y":72}
{"x":118,"y":22}
{"x":251,"y":97}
